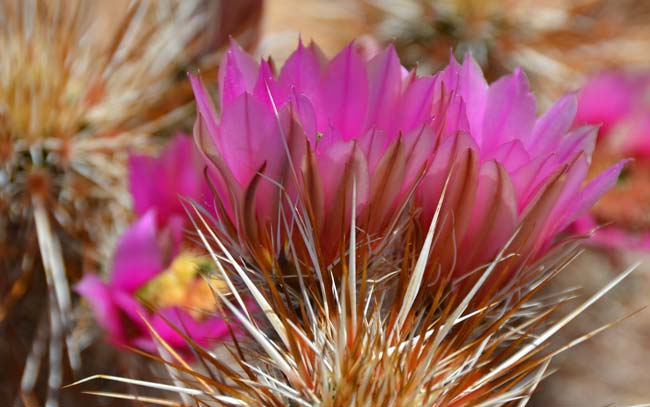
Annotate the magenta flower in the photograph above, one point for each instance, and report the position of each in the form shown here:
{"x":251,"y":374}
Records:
{"x":620,"y":103}
{"x":160,"y":182}
{"x":319,"y":125}
{"x":153,"y":265}
{"x":148,"y":268}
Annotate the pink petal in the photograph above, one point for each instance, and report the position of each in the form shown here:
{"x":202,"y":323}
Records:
{"x":267,"y":87}
{"x":493,"y":219}
{"x":580,"y":141}
{"x":107,"y":314}
{"x":248,"y":137}
{"x":552,"y":127}
{"x":510,"y":111}
{"x":609,"y":236}
{"x":385,"y":81}
{"x":237,"y":74}
{"x":530,"y":178}
{"x":450,"y":76}
{"x":373,"y":145}
{"x":606,"y":99}
{"x":301,"y":73}
{"x":158,"y":183}
{"x":420,"y":146}
{"x":591,"y":193}
{"x":474,"y":90}
{"x":142,"y":171}
{"x":568,"y":198}
{"x":132,"y":312}
{"x":332,"y":163}
{"x":137,"y":258}
{"x":306,"y":114}
{"x":204,"y":332}
{"x":448,"y":153}
{"x":291,"y":143}
{"x":417,"y":103}
{"x":345,"y":93}
{"x":454,"y":117}
{"x":511,"y":156}
{"x":205,"y":106}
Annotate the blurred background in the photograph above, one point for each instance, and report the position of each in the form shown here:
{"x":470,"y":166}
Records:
{"x":127,"y":91}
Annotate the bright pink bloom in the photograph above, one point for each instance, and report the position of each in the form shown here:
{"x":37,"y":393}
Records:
{"x":160,"y":182}
{"x":620,"y":102}
{"x":151,"y":264}
{"x":328,"y":123}
{"x":144,"y":252}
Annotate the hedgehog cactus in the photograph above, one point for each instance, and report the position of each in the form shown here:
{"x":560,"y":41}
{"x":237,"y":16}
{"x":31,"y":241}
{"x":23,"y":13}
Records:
{"x":355,"y":202}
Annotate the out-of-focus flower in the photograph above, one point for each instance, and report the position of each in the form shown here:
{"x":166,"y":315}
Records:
{"x":162,"y":182}
{"x":153,"y":264}
{"x":620,"y":102}
{"x":149,"y":268}
{"x":323,"y":128}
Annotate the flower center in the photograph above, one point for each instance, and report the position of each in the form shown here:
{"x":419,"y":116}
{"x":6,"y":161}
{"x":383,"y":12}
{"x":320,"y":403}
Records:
{"x":188,"y":283}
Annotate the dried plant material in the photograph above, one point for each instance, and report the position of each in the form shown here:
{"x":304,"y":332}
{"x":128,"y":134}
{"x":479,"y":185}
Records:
{"x":82,"y":84}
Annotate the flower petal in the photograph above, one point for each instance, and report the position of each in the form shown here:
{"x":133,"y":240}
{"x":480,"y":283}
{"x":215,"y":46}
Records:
{"x":248,"y":137}
{"x":509,"y":112}
{"x":417,"y":103}
{"x":345,"y":93}
{"x":237,"y":74}
{"x":511,"y":155}
{"x":137,"y":258}
{"x":301,"y":73}
{"x":385,"y":84}
{"x":267,"y":88}
{"x":474,"y":90}
{"x":580,"y":141}
{"x":107,"y":314}
{"x":552,"y":127}
{"x":493,"y":219}
{"x":591,"y":193}
{"x":157,"y":183}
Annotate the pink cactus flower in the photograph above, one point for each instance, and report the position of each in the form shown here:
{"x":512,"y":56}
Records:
{"x":159,"y":182}
{"x":149,"y":269}
{"x":153,"y":265}
{"x":619,"y":102}
{"x":319,"y":126}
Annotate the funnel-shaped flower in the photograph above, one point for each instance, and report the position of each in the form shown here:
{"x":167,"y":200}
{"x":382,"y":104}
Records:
{"x":153,"y":266}
{"x":620,"y":103}
{"x":149,"y":269}
{"x":322,"y":128}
